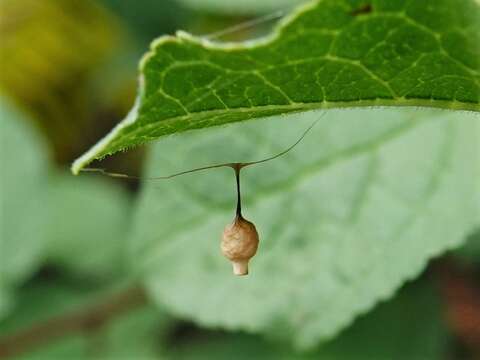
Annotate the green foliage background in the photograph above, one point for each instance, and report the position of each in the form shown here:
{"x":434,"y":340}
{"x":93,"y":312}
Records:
{"x":350,"y":220}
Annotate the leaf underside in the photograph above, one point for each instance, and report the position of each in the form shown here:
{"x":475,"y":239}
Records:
{"x":385,"y":333}
{"x":357,"y":209}
{"x":326,"y":54}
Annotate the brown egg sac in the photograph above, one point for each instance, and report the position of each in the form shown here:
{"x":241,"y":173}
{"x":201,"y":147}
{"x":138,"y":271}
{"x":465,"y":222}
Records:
{"x":239,"y":244}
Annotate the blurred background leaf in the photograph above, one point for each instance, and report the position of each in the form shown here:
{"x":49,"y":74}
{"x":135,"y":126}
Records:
{"x":24,"y":159}
{"x":48,"y":217}
{"x":89,"y":220}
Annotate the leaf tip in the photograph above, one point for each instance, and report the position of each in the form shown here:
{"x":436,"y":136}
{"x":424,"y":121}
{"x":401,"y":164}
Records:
{"x":77,"y":165}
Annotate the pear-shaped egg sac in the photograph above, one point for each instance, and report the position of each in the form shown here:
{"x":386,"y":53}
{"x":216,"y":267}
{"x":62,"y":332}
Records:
{"x":239,"y":244}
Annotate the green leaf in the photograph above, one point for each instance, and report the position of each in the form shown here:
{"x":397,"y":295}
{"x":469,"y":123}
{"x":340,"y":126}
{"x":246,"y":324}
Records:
{"x":409,"y":327}
{"x":353,"y":212}
{"x":87,"y":221}
{"x":6,"y":300}
{"x":47,"y":215}
{"x":24,"y":159}
{"x":326,"y":54}
{"x":136,"y":335}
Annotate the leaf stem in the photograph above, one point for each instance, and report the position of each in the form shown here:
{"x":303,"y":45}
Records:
{"x":86,"y":320}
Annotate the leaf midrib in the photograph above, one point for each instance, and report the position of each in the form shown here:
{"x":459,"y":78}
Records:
{"x":378,"y":102}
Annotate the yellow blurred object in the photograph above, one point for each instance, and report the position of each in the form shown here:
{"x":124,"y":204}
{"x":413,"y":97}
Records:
{"x":48,"y":52}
